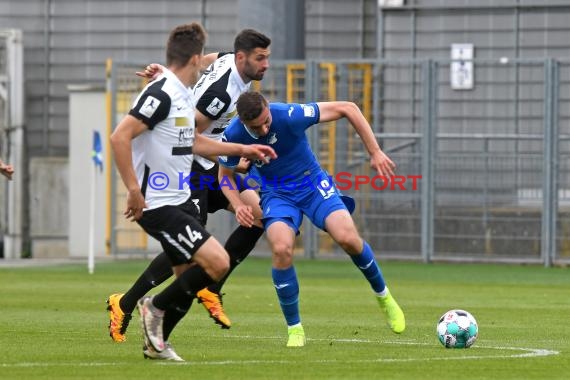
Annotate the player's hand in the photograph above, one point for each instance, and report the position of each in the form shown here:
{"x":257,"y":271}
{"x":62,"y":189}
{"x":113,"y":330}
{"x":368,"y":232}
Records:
{"x":6,"y":170}
{"x":259,"y":152}
{"x":151,"y":72}
{"x":383,"y":165}
{"x":244,"y":215}
{"x":243,"y":165}
{"x":135,"y":205}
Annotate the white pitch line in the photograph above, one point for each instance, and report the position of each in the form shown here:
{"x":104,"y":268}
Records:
{"x":526,"y":353}
{"x":62,"y":364}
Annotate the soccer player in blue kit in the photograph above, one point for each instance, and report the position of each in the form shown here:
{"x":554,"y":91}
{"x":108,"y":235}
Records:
{"x":294,"y":184}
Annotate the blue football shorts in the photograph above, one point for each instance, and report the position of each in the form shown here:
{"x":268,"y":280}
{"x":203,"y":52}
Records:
{"x":316,"y":199}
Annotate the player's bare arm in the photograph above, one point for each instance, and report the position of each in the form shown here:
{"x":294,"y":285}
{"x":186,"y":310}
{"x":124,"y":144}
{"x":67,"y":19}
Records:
{"x":244,"y":213}
{"x":202,"y":123}
{"x":121,"y":140}
{"x":330,"y":111}
{"x":204,"y":146}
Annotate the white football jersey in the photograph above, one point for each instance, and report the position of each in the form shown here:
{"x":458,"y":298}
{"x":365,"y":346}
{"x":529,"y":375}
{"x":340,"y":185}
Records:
{"x":162,"y":155}
{"x":216,"y":94}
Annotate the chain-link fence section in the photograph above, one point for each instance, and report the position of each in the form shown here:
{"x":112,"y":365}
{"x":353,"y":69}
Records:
{"x":483,"y":173}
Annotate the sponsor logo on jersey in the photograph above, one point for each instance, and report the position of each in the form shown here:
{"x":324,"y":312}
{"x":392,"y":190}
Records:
{"x":215,"y":107}
{"x":149,"y":106}
{"x":181,"y":122}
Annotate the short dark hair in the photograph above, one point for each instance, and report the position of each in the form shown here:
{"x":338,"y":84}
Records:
{"x":249,"y":39}
{"x":184,"y":42}
{"x":249,"y":105}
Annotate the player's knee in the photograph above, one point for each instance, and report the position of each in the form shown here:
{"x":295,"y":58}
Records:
{"x":223,"y":267}
{"x":282,"y":249}
{"x":349,"y":241}
{"x":220,"y":264}
{"x":217,"y":273}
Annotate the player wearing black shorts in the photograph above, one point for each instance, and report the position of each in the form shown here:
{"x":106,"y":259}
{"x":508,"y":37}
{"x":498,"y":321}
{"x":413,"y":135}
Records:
{"x":217,"y":92}
{"x":158,"y":137}
{"x":215,"y":95}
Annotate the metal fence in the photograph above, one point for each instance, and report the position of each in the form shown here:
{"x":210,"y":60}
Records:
{"x":12,"y":196}
{"x":493,"y":160}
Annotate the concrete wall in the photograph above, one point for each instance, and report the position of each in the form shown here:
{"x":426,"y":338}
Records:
{"x":49,"y":194}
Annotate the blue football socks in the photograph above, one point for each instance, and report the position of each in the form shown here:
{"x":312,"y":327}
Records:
{"x":287,"y":287}
{"x":367,"y":264}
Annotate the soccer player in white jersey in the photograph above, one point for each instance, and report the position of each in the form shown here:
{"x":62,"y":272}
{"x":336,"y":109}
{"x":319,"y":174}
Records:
{"x":153,"y":147}
{"x":215,"y":95}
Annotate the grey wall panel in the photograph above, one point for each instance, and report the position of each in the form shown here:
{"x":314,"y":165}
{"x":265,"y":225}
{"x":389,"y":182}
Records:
{"x":81,"y":36}
{"x":283,"y":21}
{"x":427,"y":28}
{"x":340,"y":29}
{"x":21,"y":8}
{"x":370,"y":26}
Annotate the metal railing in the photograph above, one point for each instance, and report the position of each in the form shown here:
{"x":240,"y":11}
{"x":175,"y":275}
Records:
{"x":493,"y":160}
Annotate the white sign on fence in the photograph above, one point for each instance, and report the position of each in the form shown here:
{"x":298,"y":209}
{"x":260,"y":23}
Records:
{"x":461,"y":70}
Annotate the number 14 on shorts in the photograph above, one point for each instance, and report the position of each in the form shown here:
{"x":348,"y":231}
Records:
{"x":192,"y":237}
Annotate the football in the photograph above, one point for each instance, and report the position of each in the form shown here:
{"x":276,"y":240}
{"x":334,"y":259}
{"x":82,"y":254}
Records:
{"x":457,"y":329}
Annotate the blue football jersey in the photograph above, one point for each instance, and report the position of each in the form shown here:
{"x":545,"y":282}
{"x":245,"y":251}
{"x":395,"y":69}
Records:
{"x":295,"y":159}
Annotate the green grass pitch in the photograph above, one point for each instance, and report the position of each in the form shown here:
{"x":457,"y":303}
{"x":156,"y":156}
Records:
{"x":54,"y":325}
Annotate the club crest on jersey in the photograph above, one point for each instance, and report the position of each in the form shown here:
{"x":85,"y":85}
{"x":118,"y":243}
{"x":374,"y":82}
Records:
{"x":149,"y":106}
{"x":272,"y":139}
{"x":215,"y":107}
{"x":308,"y":111}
